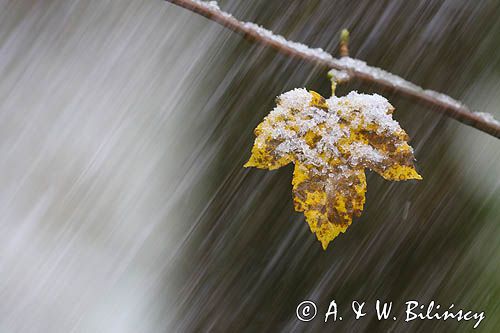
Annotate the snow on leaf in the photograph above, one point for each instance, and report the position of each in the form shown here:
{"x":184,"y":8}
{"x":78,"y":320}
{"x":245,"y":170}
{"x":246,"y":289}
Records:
{"x":331,"y":142}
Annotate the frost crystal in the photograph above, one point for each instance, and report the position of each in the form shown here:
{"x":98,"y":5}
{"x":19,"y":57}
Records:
{"x":268,"y":34}
{"x":331,"y":142}
{"x":295,"y":99}
{"x":213,"y":5}
{"x":299,"y":47}
{"x":488,"y":117}
{"x":376,"y":109}
{"x":362,"y":152}
{"x":356,"y":130}
{"x":377,"y":73}
{"x":338,"y":76}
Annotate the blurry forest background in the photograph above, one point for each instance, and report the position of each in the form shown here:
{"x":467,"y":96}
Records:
{"x":124,"y":206}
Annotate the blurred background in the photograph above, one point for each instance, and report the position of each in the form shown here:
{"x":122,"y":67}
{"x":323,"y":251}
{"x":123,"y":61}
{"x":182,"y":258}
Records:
{"x":124,"y":206}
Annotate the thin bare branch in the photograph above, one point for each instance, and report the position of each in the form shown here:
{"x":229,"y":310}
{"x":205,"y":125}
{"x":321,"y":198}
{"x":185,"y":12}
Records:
{"x":356,"y":69}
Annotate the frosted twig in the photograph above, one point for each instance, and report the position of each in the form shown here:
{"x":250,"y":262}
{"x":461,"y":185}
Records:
{"x":355,"y":68}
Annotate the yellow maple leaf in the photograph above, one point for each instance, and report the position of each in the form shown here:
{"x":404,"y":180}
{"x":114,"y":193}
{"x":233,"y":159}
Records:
{"x":331,"y":142}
